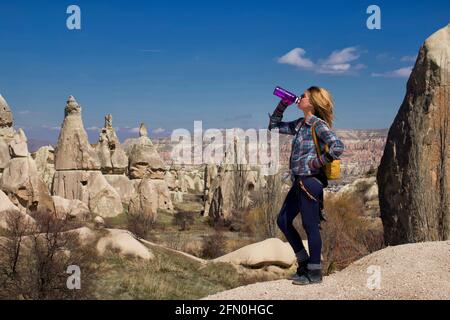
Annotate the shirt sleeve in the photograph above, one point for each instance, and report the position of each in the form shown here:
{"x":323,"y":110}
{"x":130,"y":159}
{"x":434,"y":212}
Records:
{"x":276,"y":123}
{"x":335,"y":145}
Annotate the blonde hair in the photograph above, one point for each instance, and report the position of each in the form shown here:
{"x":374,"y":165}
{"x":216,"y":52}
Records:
{"x":322,"y":101}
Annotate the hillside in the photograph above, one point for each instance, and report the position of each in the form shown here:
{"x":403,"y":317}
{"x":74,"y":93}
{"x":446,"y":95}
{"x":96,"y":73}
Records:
{"x":411,"y":271}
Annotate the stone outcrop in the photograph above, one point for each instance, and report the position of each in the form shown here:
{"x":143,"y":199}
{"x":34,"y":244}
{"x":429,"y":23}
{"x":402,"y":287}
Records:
{"x":20,"y":179}
{"x":271,"y":251}
{"x":6,"y":117}
{"x":45,"y":164}
{"x":414,"y":174}
{"x":113,"y":159}
{"x":228,"y":188}
{"x":144,"y":160}
{"x":6,"y":208}
{"x":78,"y":175}
{"x":73,"y":151}
{"x":71,"y":209}
{"x":91,"y":188}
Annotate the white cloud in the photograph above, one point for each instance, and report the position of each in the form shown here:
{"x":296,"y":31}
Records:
{"x":295,"y":58}
{"x":133,"y":130}
{"x":398,"y":73}
{"x":338,"y":62}
{"x":408,"y":58}
{"x":24,"y":112}
{"x":93,"y":128}
{"x":45,"y":126}
{"x":159,"y":130}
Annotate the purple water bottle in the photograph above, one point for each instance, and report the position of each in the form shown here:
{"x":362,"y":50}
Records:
{"x":285,"y":95}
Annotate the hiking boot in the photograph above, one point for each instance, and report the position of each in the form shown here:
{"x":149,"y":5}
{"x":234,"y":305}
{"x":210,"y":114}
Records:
{"x":310,"y":277}
{"x":301,"y":270}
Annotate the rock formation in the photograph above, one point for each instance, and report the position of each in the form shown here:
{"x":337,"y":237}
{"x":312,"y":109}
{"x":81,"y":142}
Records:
{"x":45,"y":164}
{"x":148,"y":170}
{"x":6,"y":117}
{"x":228,"y":188}
{"x":19,"y":176}
{"x":73,"y":151}
{"x":414,"y":174}
{"x":113,"y":159}
{"x":144,"y":158}
{"x":78,"y":175}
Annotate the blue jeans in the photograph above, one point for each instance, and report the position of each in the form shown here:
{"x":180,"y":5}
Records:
{"x":298,"y":201}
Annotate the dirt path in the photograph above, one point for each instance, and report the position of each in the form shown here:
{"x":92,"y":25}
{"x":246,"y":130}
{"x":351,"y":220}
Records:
{"x":411,"y":271}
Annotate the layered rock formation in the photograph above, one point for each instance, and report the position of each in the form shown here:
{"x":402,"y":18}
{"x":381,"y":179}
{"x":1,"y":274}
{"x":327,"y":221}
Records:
{"x":414,"y":174}
{"x":77,"y":165}
{"x":113,"y":159}
{"x":148,"y":171}
{"x":19,"y":176}
{"x":228,"y":188}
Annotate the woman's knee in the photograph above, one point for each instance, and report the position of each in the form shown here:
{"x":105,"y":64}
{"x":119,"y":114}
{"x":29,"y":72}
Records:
{"x":283,"y":222}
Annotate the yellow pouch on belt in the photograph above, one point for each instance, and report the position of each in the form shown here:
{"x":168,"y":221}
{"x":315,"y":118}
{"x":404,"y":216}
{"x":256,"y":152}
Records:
{"x":332,"y":169}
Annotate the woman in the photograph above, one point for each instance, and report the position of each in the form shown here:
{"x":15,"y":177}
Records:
{"x":306,"y":193}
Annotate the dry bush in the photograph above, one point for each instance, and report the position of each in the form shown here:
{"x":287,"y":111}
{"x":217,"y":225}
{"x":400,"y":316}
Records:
{"x":140,"y":224}
{"x":261,"y":220}
{"x":34,"y":259}
{"x":184,"y":220}
{"x":214,"y":245}
{"x":347,"y":235}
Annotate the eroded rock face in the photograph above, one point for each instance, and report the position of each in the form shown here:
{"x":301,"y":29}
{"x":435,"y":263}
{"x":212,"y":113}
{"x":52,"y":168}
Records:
{"x":414,"y":174}
{"x":71,"y":209}
{"x":18,"y":145}
{"x":73,"y":151}
{"x":124,"y":186}
{"x":146,"y":200}
{"x":21,"y":181}
{"x":6,"y":117}
{"x":89,"y":187}
{"x":144,"y":160}
{"x":113,"y":159}
{"x":45,"y":164}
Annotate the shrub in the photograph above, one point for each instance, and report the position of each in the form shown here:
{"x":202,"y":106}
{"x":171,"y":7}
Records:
{"x":347,"y":235}
{"x":140,"y":224}
{"x":184,"y":220}
{"x":214,"y":245}
{"x":34,"y":259}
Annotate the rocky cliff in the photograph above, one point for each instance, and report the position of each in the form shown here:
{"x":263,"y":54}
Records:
{"x":414,"y":173}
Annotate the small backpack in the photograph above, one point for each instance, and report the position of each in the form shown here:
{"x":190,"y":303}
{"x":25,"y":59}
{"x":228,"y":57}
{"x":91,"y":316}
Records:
{"x":333,"y":169}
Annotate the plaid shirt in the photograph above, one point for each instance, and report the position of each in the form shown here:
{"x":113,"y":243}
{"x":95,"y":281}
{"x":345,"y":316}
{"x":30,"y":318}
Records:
{"x":304,"y":160}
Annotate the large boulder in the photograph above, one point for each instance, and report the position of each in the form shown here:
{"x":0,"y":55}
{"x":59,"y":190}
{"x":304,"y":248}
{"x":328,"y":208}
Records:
{"x":6,"y":117}
{"x":91,"y":188}
{"x":271,"y":251}
{"x":73,"y":151}
{"x":124,"y":186}
{"x":21,"y":181}
{"x":6,"y":208}
{"x":145,"y":201}
{"x":71,"y":209}
{"x":113,"y":159}
{"x":414,"y":173}
{"x":4,"y":153}
{"x":18,"y":145}
{"x":125,"y":243}
{"x":144,"y":160}
{"x":45,"y":164}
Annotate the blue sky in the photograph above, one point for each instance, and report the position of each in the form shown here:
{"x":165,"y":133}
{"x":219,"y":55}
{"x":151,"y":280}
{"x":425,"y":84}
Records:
{"x":168,"y":63}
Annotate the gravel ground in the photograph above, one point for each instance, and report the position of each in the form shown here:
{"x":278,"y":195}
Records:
{"x":410,"y":271}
